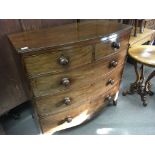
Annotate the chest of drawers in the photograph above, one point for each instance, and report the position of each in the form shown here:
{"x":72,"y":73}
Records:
{"x":73,"y":71}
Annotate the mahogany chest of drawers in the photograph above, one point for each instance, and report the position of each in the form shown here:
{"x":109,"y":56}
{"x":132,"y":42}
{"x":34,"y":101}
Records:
{"x":73,"y":70}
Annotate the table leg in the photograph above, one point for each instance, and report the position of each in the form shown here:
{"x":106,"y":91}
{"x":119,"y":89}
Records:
{"x":140,"y":86}
{"x":133,"y":87}
{"x":148,"y":83}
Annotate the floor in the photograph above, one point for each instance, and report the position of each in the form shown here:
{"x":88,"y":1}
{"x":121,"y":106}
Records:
{"x":128,"y":117}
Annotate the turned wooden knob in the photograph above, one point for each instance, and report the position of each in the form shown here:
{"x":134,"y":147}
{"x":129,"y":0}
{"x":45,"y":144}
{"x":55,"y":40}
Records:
{"x":63,"y":60}
{"x":69,"y":119}
{"x":113,"y":63}
{"x":67,"y":100}
{"x":108,"y":98}
{"x":65,"y":82}
{"x":111,"y":81}
{"x":116,"y":45}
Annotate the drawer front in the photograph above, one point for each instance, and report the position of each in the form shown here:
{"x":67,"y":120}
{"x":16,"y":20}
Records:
{"x":53,"y":104}
{"x":57,"y":61}
{"x":112,"y":45}
{"x":53,"y":84}
{"x":76,"y":115}
{"x":97,"y":102}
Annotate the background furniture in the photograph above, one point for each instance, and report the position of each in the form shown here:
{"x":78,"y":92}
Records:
{"x":73,"y":70}
{"x":139,"y":25}
{"x":147,"y":36}
{"x":144,"y":54}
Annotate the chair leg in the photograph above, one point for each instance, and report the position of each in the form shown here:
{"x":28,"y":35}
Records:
{"x":136,"y":24}
{"x":142,"y":25}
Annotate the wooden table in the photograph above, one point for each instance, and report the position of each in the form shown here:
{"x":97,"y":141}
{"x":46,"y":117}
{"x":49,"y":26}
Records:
{"x":141,"y":86}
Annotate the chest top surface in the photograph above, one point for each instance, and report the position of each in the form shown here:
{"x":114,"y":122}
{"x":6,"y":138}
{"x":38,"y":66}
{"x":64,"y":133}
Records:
{"x":66,"y":35}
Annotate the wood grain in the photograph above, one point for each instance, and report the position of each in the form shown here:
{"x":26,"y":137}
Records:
{"x":105,"y":48}
{"x":49,"y":61}
{"x":11,"y":85}
{"x":13,"y":91}
{"x":92,"y":64}
{"x":53,"y":104}
{"x":78,"y":114}
{"x":51,"y":84}
{"x":66,"y":35}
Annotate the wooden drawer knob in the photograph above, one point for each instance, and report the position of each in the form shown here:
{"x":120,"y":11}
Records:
{"x":69,"y":119}
{"x":63,"y":60}
{"x":108,"y":98}
{"x":67,"y":101}
{"x":111,"y":81}
{"x":65,"y":82}
{"x":116,"y":45}
{"x":113,"y":63}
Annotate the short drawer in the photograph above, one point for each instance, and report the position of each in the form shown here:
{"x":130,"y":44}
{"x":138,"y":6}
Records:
{"x":63,"y":101}
{"x":53,"y":84}
{"x":111,"y":45}
{"x":57,"y":61}
{"x":76,"y":115}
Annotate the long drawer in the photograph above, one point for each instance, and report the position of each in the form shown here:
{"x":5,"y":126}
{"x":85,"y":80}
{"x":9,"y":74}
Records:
{"x":53,"y":84}
{"x":63,"y":101}
{"x":57,"y":61}
{"x":76,"y":115}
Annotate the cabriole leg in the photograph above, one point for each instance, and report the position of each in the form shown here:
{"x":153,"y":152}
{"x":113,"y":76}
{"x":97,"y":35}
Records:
{"x":133,"y":87}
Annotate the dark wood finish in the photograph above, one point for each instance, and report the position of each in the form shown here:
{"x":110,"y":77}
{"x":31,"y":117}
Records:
{"x":78,"y":114}
{"x":49,"y":62}
{"x":13,"y":89}
{"x":51,"y":84}
{"x":108,"y":46}
{"x":31,"y":24}
{"x":55,"y":103}
{"x":147,"y":83}
{"x":140,"y":86}
{"x":73,"y":66}
{"x":67,"y":35}
{"x":138,"y":25}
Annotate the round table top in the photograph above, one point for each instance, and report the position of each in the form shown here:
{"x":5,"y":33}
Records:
{"x":144,"y":54}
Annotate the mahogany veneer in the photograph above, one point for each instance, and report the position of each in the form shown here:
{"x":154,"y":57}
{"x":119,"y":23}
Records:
{"x":73,"y":70}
